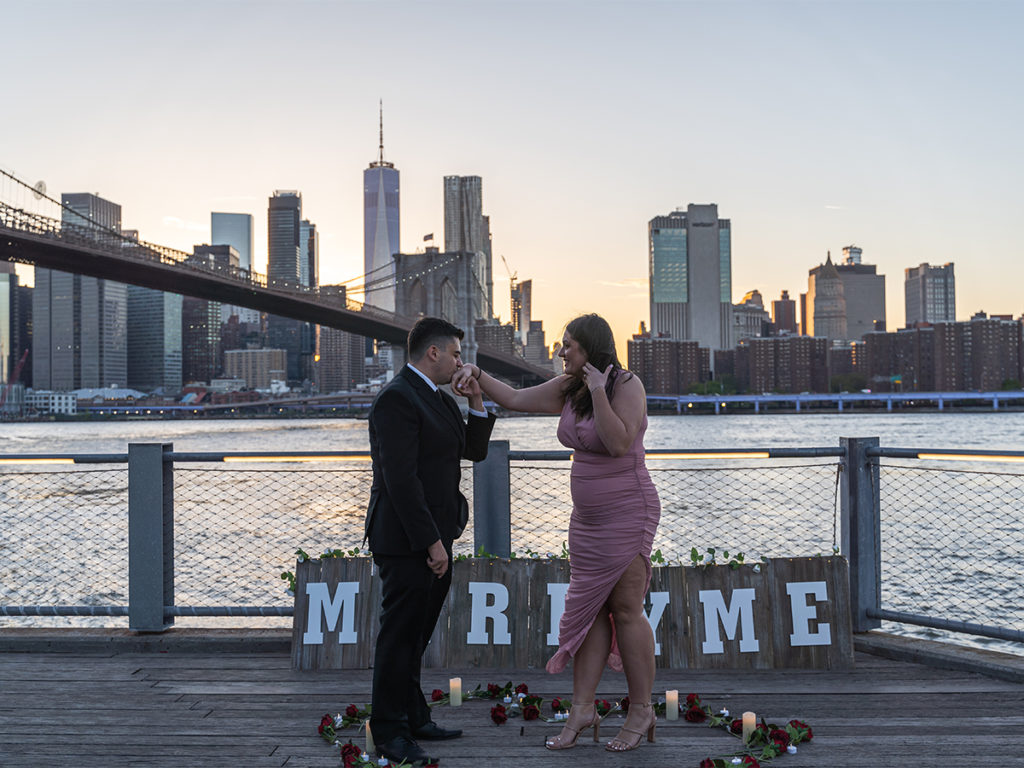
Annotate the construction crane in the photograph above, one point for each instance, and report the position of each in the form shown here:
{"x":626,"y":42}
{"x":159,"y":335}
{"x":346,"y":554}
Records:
{"x":14,"y":377}
{"x":511,"y":275}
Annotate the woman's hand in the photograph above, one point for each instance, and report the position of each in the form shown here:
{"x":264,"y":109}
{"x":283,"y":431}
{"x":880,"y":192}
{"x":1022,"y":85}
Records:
{"x":464,"y":379}
{"x":595,"y":379}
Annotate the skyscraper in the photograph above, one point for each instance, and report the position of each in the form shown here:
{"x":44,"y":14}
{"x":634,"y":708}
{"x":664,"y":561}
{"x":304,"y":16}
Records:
{"x":201,"y":320}
{"x":930,"y":294}
{"x":284,"y":265}
{"x":9,"y":340}
{"x":467,"y":229}
{"x":154,"y":340}
{"x":826,"y":302}
{"x":80,"y":323}
{"x":236,"y":230}
{"x":380,"y":228}
{"x":863,"y":297}
{"x":690,"y":270}
{"x":309,"y":254}
{"x":522,"y":308}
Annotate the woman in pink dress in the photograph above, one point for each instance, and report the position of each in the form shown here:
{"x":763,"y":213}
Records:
{"x":615,"y":513}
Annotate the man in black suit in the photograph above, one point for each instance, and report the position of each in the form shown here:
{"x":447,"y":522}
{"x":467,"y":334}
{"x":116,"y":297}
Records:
{"x":417,"y":440}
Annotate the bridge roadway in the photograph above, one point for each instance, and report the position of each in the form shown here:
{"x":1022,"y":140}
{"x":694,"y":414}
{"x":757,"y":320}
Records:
{"x":41,"y":241}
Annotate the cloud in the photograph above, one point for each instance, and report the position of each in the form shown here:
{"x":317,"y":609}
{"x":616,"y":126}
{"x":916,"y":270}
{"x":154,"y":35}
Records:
{"x":629,"y":282}
{"x":190,"y":226}
{"x":835,"y":207}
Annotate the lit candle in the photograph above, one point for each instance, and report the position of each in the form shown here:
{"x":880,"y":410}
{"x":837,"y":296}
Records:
{"x":749,"y":724}
{"x":455,"y":691}
{"x":507,"y":700}
{"x":671,"y":705}
{"x":370,"y":749}
{"x":383,"y":762}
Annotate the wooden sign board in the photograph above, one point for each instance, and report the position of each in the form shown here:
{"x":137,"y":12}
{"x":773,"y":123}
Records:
{"x":789,"y":613}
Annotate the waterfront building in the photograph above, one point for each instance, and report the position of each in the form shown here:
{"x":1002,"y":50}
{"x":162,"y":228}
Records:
{"x":201,"y":319}
{"x":342,"y":363}
{"x":284,"y":218}
{"x":258,"y":367}
{"x":750,"y":320}
{"x":447,"y":285}
{"x":24,"y":330}
{"x":536,"y":348}
{"x":784,"y":314}
{"x":826,"y":302}
{"x":467,"y":229}
{"x":47,"y":401}
{"x":10,"y":351}
{"x":499,"y":337}
{"x":236,"y":230}
{"x":690,"y":271}
{"x":79,"y":324}
{"x":666,"y":365}
{"x":381,"y":228}
{"x":522,"y":307}
{"x":930,"y":294}
{"x":154,"y":340}
{"x":783,"y":364}
{"x":857,"y":309}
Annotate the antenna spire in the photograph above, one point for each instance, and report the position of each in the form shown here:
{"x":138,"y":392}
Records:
{"x":381,"y":159}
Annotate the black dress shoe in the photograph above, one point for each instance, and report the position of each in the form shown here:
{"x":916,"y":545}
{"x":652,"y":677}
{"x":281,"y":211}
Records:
{"x":402,"y":749}
{"x":431,"y":731}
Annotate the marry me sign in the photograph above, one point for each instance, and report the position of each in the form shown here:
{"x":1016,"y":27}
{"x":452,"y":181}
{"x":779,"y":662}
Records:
{"x":789,"y":612}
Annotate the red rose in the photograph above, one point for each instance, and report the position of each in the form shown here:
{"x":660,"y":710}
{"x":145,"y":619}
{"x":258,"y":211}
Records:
{"x":521,"y":688}
{"x":750,"y":761}
{"x":498,"y":715}
{"x":707,"y":762}
{"x":325,"y":722}
{"x":780,"y":737}
{"x":602,"y":706}
{"x":624,"y":704}
{"x":695,"y":715}
{"x":692,"y":700}
{"x":802,"y":726}
{"x":350,"y":750}
{"x":530,"y":712}
{"x":351,"y":711}
{"x":736,"y":727}
{"x":557,"y":705}
{"x":493,"y":690}
{"x":436,"y":695}
{"x":534,"y":700}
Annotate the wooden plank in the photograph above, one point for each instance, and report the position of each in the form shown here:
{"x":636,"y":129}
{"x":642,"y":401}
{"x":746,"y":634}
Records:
{"x":727,"y":582}
{"x":539,"y":574}
{"x":831,"y":611}
{"x":673,"y":633}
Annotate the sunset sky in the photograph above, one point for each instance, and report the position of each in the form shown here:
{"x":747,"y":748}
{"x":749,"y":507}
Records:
{"x":895,"y":126}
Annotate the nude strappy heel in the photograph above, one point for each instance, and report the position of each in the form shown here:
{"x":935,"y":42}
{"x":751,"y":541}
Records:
{"x":556,"y":742}
{"x":621,"y":744}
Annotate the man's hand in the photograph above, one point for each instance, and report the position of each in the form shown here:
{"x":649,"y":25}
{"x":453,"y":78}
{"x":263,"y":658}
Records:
{"x":437,"y":558}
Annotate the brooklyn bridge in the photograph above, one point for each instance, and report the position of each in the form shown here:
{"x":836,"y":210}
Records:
{"x":54,"y":240}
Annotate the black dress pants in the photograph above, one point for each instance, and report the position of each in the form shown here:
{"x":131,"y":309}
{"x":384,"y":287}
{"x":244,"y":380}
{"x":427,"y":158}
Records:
{"x":411,"y":601}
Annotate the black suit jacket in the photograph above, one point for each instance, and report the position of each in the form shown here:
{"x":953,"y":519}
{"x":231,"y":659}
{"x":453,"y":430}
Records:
{"x":417,"y":440}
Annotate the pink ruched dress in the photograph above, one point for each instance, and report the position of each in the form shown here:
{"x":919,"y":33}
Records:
{"x":615,"y":512}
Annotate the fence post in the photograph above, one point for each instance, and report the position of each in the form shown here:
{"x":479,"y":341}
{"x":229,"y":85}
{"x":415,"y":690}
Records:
{"x":862,"y":532}
{"x":492,"y":502}
{"x":150,"y":536}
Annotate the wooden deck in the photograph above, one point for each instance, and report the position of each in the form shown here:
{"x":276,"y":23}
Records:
{"x":173,"y":709}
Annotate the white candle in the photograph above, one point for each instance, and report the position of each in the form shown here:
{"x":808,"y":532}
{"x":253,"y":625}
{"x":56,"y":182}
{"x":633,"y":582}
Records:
{"x":671,"y":705}
{"x":370,"y":749}
{"x":507,"y":700}
{"x":749,"y":724}
{"x":383,"y":762}
{"x":455,"y":691}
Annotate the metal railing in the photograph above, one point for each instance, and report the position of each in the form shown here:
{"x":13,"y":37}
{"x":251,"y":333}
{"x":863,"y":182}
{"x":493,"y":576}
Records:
{"x":933,"y":539}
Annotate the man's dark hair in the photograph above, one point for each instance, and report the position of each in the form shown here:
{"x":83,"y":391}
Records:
{"x":430,"y":331}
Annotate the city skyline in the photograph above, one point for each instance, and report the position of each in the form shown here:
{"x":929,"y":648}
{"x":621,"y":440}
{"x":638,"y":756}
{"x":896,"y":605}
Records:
{"x":881,"y":125}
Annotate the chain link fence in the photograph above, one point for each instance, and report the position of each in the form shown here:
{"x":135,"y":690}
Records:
{"x":765,"y":508}
{"x":952,"y":544}
{"x":64,"y":540}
